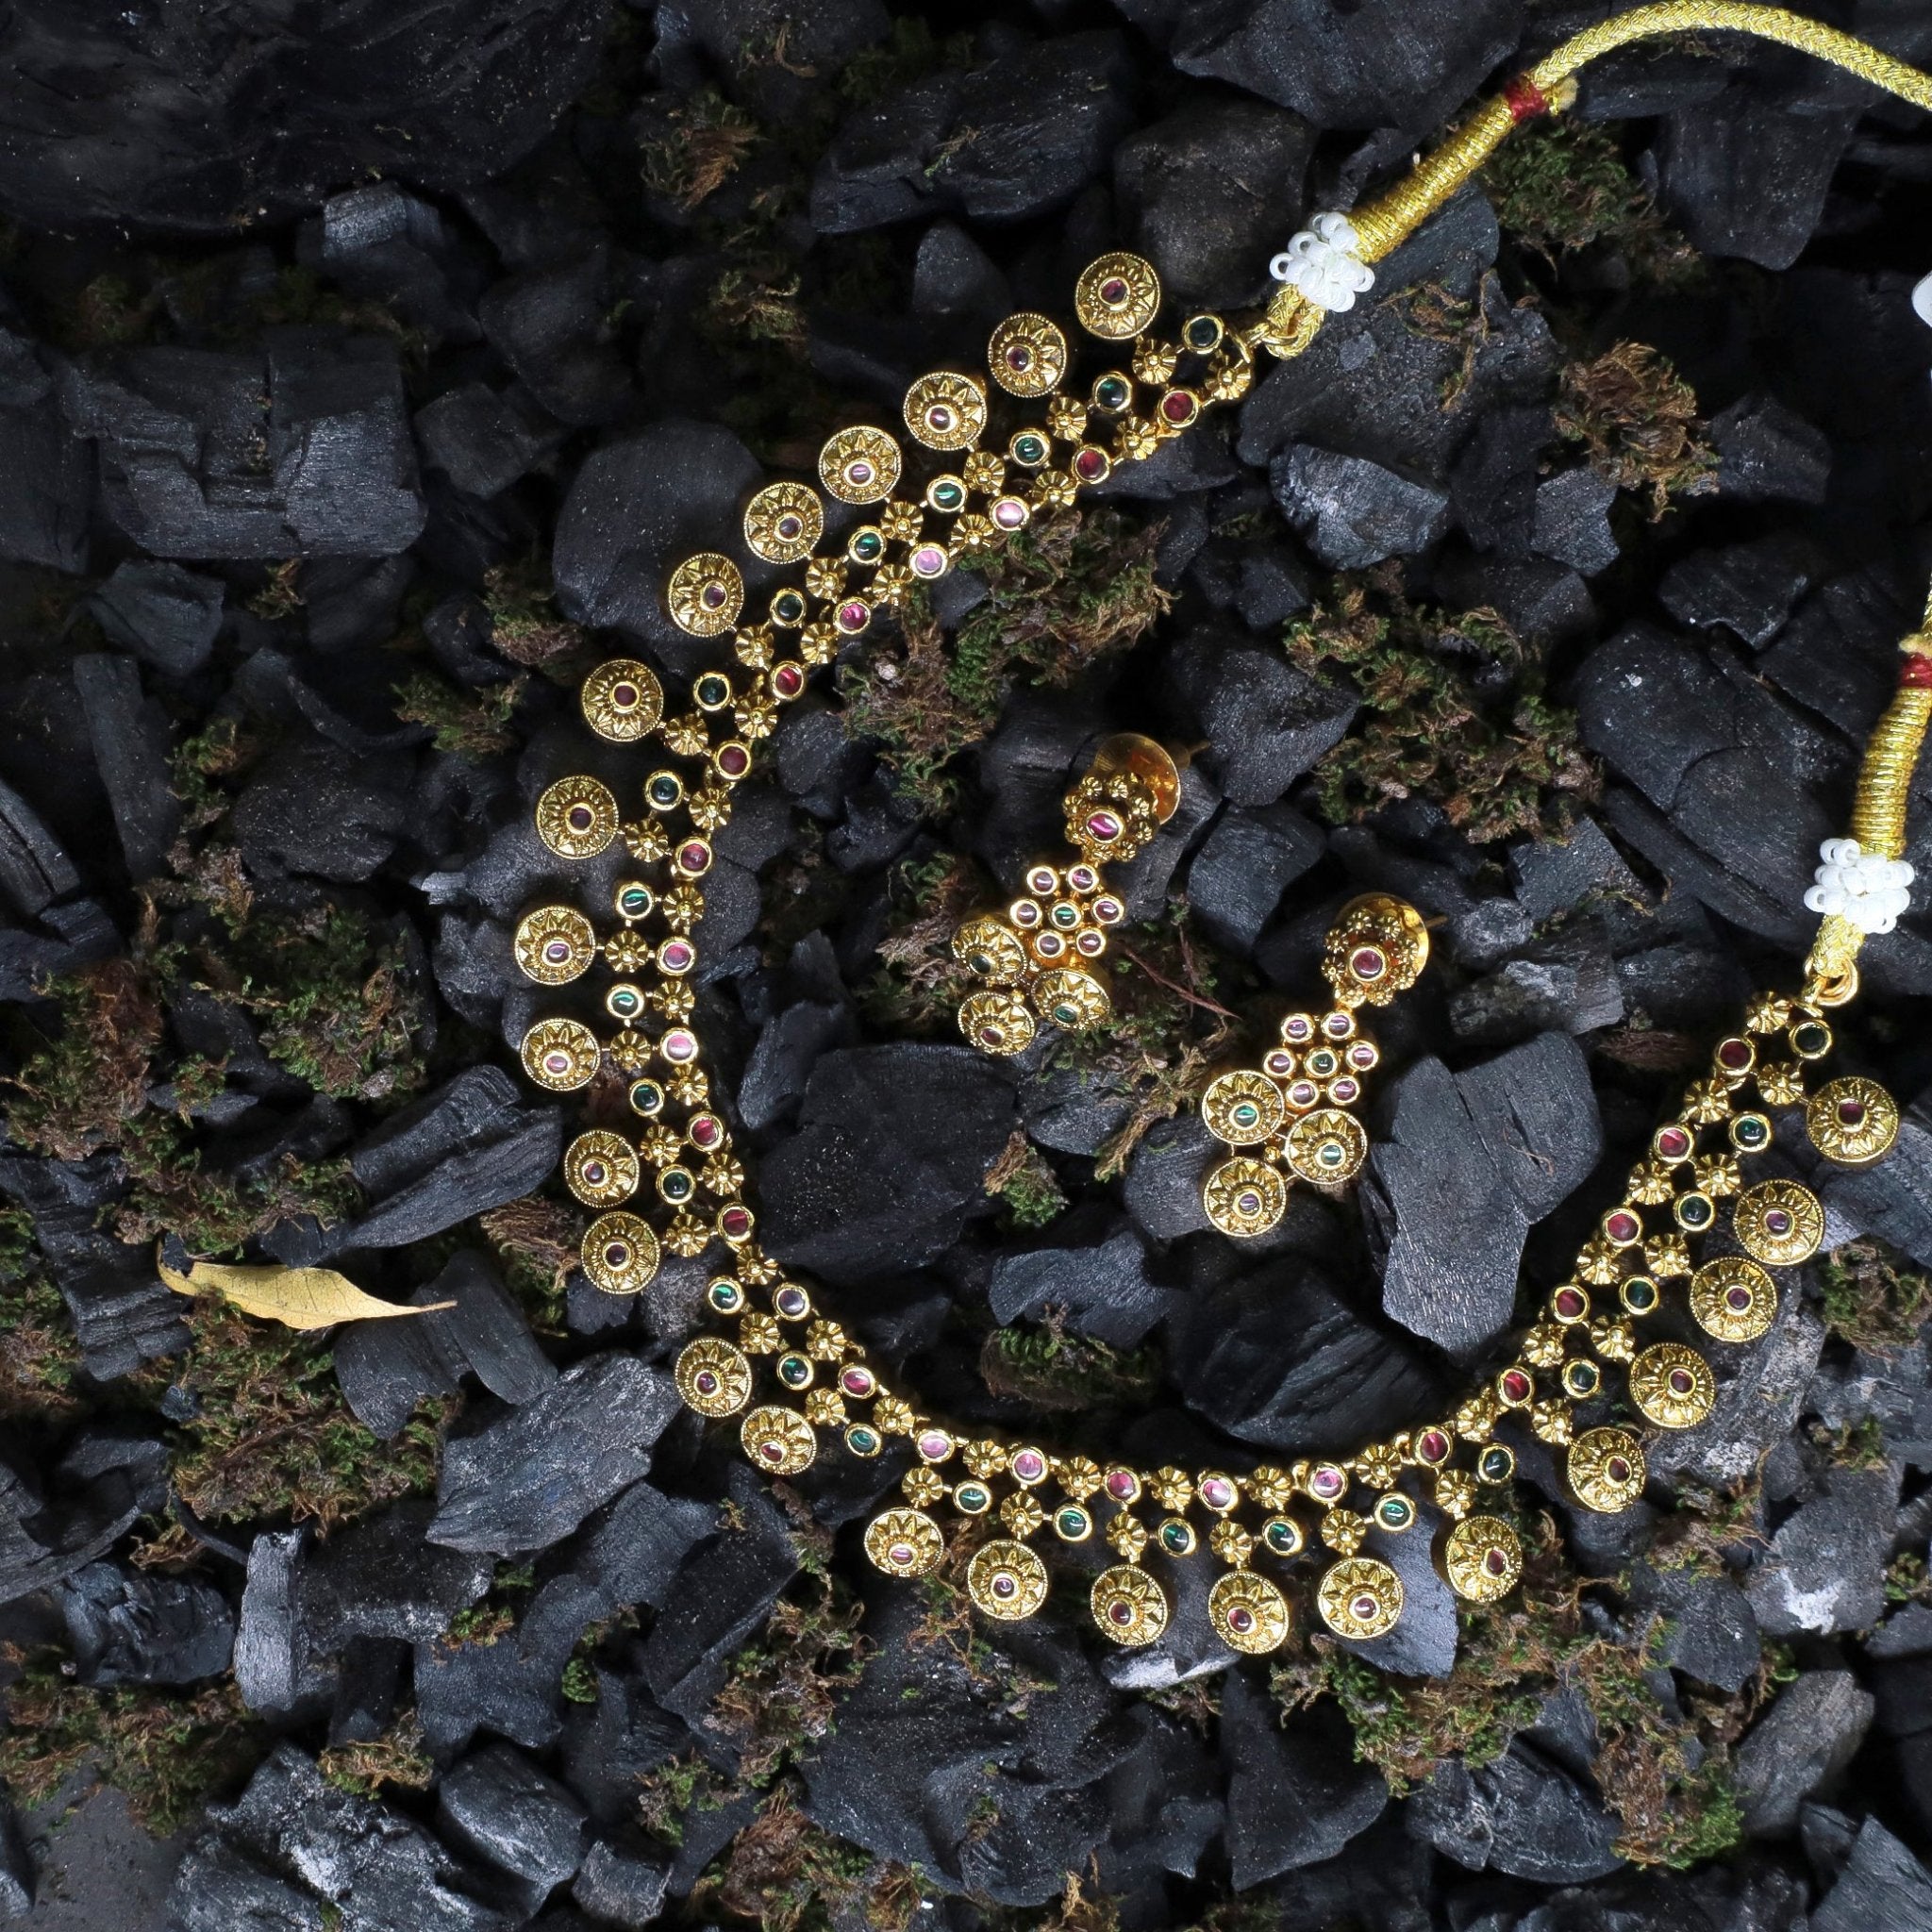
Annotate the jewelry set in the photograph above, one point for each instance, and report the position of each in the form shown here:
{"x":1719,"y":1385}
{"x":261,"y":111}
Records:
{"x":1607,"y":1358}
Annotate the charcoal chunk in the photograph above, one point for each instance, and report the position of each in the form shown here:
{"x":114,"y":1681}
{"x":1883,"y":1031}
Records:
{"x":217,"y":1888}
{"x":167,"y":616}
{"x":532,"y":1476}
{"x":301,"y":451}
{"x":1882,"y":1884}
{"x":34,"y":871}
{"x":498,"y":1805}
{"x":1238,"y":878}
{"x":313,"y":810}
{"x":1799,"y":1748}
{"x":1708,"y":1630}
{"x":127,"y":1627}
{"x":1750,"y":589}
{"x":1352,"y":513}
{"x":889,"y":1160}
{"x":1104,"y":1288}
{"x":394,"y":247}
{"x":623,"y":1885}
{"x":550,"y":325}
{"x":1295,"y":1793}
{"x":46,"y":471}
{"x":131,"y":740}
{"x":1825,"y":1569}
{"x":1266,"y":721}
{"x":635,"y":509}
{"x":1523,"y":1815}
{"x":382,"y":1578}
{"x":1572,"y":521}
{"x":186,"y":129}
{"x":1769,"y":454}
{"x":483,"y":438}
{"x":1211,"y":190}
{"x":1378,"y":65}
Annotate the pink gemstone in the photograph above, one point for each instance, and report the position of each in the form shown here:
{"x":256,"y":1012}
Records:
{"x":1177,"y":406}
{"x":1089,"y":465}
{"x":1103,"y":825}
{"x":1737,"y":1298}
{"x":595,"y":1172}
{"x":707,"y":1383}
{"x":1030,"y":1465}
{"x":1361,"y":1054}
{"x":928,"y":560}
{"x":693,"y":858}
{"x":734,"y":761}
{"x":1082,"y":878}
{"x":1249,"y":1202}
{"x":557,"y":1063}
{"x":1009,"y":512}
{"x":1673,"y":1144}
{"x":791,"y":527}
{"x":1327,"y":1481}
{"x":736,"y":1221}
{"x":1434,"y":1446}
{"x":1850,"y":1111}
{"x":856,"y":1381}
{"x":1121,"y":1485}
{"x":624,"y":695}
{"x":1342,"y":1092}
{"x":1570,"y":1303}
{"x":1238,"y":1619}
{"x":1336,"y":1025}
{"x":557,"y":950}
{"x":713,"y":595}
{"x":1619,"y":1470}
{"x":935,"y":1446}
{"x":788,"y":680}
{"x":1089,"y":944}
{"x":939,"y":417}
{"x":1621,"y":1226}
{"x":1217,"y":1493}
{"x":853,"y":617}
{"x":1496,"y":1562}
{"x":901,"y":1555}
{"x":679,"y":1046}
{"x":1681,"y":1383}
{"x":858,"y":472}
{"x":1302,"y":1094}
{"x":1364,"y":1609}
{"x":1120,"y":1611}
{"x":1018,"y":358}
{"x":673,"y":955}
{"x":989,"y":1036}
{"x":1777,"y":1222}
{"x":1279,"y":1064}
{"x":1734,"y":1055}
{"x":1003,"y":1585}
{"x":772,"y":1452}
{"x":1025,"y":913}
{"x":704,"y":1130}
{"x":580,"y":817}
{"x":792,"y":1301}
{"x":1515,"y":1385}
{"x":1366,"y":962}
{"x":1108,"y":911}
{"x":1298,"y":1026}
{"x":1113,"y":291}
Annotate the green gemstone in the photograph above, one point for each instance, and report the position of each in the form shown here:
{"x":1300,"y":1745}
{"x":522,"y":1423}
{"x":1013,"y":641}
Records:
{"x":646,"y":1096}
{"x":1496,"y":1465}
{"x":1029,"y":449}
{"x":1811,"y":1038}
{"x":1751,"y":1130}
{"x":947,"y":496}
{"x":713,"y":689}
{"x":861,"y":1441}
{"x":1332,"y":1154}
{"x":1176,"y":1536}
{"x":788,"y":607}
{"x":634,"y":900}
{"x":665,"y":790}
{"x":982,"y":963}
{"x":674,"y":1184}
{"x":1066,"y":1015}
{"x":1246,"y":1114}
{"x":1694,"y":1210}
{"x":1203,"y":332}
{"x":1393,"y":1512}
{"x":867,"y":545}
{"x":794,"y":1372}
{"x":1283,"y":1538}
{"x":1072,"y":1523}
{"x":1066,"y":915}
{"x":1111,"y":392}
{"x":1639,"y":1294}
{"x":727,"y":1296}
{"x":971,"y":1498}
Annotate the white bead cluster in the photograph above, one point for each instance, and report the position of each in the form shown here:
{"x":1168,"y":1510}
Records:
{"x":1870,"y":892}
{"x":1323,"y":263}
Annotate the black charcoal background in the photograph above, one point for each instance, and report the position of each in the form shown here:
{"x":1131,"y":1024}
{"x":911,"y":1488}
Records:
{"x":218,"y":504}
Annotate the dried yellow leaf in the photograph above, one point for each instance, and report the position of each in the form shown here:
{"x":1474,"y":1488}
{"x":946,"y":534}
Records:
{"x":297,"y":1297}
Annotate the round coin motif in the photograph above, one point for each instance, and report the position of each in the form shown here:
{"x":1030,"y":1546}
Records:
{"x":705,"y":594}
{"x":778,"y":1440}
{"x":997,"y":1023}
{"x":1606,"y":1469}
{"x":601,"y":1168}
{"x":1248,"y":1613}
{"x":1128,"y":1605}
{"x":1070,"y":1000}
{"x":576,"y":818}
{"x":946,"y":410}
{"x":1006,"y":1580}
{"x":622,"y":700}
{"x":1028,"y":354}
{"x":990,"y":949}
{"x":713,"y":1377}
{"x":1778,"y":1222}
{"x":904,"y":1542}
{"x":784,"y":522}
{"x":619,"y":1253}
{"x":1482,"y":1559}
{"x":1117,"y":296}
{"x":554,"y":944}
{"x":561,"y":1055}
{"x":1853,"y":1121}
{"x":1326,"y":1146}
{"x":1243,"y":1108}
{"x":860,"y":465}
{"x":1244,"y":1197}
{"x":1732,"y":1299}
{"x":1360,"y":1597}
{"x":1673,"y":1386}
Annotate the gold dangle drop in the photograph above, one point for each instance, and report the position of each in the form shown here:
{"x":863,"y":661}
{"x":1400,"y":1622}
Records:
{"x":1128,"y":1605}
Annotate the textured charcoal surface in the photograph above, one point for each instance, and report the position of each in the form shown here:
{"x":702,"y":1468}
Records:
{"x":365,"y":372}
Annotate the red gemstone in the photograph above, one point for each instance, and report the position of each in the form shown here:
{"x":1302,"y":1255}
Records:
{"x":735,"y":1222}
{"x":617,"y":1254}
{"x":1030,"y":1465}
{"x":1621,"y":1226}
{"x":791,"y":527}
{"x":788,"y":680}
{"x":856,"y":1381}
{"x":713,"y":595}
{"x":1113,"y":291}
{"x":557,"y":1063}
{"x":1364,"y":1609}
{"x":1217,"y":1493}
{"x":933,"y":1446}
{"x":734,"y":761}
{"x":1089,"y":465}
{"x":1120,"y":1610}
{"x":704,"y":1130}
{"x":1433,"y":1446}
{"x":624,"y":695}
{"x":594,"y":1172}
{"x":1019,"y":357}
{"x":580,"y":817}
{"x":1103,"y":825}
{"x":1777,"y":1222}
{"x":1121,"y":1486}
{"x":1681,"y":1382}
{"x":1516,"y":1384}
{"x":1570,"y":1303}
{"x":673,"y":955}
{"x":1737,"y":1298}
{"x":1619,"y":1470}
{"x":1496,"y":1562}
{"x":1673,"y":1144}
{"x":1342,"y":1092}
{"x":1327,"y":1481}
{"x":1734,"y":1055}
{"x":693,"y":858}
{"x":853,"y":617}
{"x":1916,"y":672}
{"x":989,"y":1035}
{"x":1367,"y":963}
{"x":1177,"y":406}
{"x":707,"y":1383}
{"x":772,"y":1452}
{"x":1238,"y":1619}
{"x":1850,"y":1111}
{"x":1003,"y":1585}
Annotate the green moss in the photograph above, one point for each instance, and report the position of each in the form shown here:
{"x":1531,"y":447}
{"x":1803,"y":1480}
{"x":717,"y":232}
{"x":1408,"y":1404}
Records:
{"x":1453,"y":711}
{"x":920,"y":985}
{"x":524,"y":624}
{"x":167,"y":1751}
{"x":1872,"y":1298}
{"x":536,"y":1239}
{"x":1051,"y":1369}
{"x":580,"y":1681}
{"x":471,"y":724}
{"x":1071,"y":591}
{"x":909,"y":53}
{"x":1636,"y":421}
{"x":39,"y":1355}
{"x":1028,"y":1187}
{"x":270,"y":1437}
{"x":704,"y":141}
{"x":1562,"y":185}
{"x":397,"y":1757}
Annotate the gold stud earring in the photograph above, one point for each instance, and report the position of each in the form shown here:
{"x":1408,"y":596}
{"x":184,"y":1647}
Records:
{"x":1294,"y":1118}
{"x":1038,"y":961}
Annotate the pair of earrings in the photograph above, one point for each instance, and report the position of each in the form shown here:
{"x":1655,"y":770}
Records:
{"x":1038,"y":962}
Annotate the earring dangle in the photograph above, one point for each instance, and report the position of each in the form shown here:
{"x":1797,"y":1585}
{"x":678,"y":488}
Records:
{"x":1039,"y":960}
{"x":1297,"y":1110}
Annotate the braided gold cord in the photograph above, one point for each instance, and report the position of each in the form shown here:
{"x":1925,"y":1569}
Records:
{"x":1395,"y":215}
{"x":1885,"y":781}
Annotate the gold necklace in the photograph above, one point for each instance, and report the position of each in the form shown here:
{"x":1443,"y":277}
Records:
{"x":789,"y":1372}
